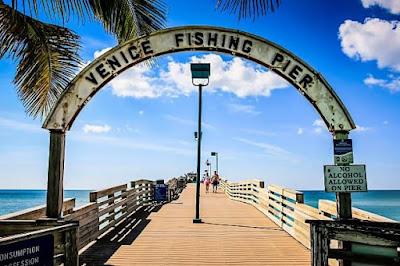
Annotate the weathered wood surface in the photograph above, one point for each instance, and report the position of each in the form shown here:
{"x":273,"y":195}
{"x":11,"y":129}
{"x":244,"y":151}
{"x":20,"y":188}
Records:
{"x":232,"y":233}
{"x":379,"y":242}
{"x":286,"y":207}
{"x":55,"y":188}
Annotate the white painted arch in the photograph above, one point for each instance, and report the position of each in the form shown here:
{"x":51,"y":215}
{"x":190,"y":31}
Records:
{"x":200,"y":38}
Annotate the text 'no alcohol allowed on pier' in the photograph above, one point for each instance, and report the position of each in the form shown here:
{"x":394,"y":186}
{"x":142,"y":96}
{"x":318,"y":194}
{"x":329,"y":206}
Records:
{"x":350,"y":178}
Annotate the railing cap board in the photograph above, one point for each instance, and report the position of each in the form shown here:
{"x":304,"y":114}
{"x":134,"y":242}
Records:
{"x":81,"y":210}
{"x":329,"y":206}
{"x":105,"y":192}
{"x":383,"y":230}
{"x":275,"y":188}
{"x":37,"y":211}
{"x":33,"y":234}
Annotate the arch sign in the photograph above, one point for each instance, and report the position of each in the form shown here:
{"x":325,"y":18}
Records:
{"x":199,"y":38}
{"x":190,"y":38}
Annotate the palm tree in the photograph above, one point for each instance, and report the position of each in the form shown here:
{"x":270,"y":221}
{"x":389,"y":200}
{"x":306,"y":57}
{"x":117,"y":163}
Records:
{"x":47,"y":54}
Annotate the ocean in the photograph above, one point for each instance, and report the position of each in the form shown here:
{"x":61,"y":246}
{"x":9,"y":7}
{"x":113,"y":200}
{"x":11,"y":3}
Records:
{"x":17,"y":200}
{"x":383,"y":202}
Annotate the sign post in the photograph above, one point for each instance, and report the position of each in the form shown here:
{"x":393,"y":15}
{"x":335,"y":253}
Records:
{"x":343,"y":199}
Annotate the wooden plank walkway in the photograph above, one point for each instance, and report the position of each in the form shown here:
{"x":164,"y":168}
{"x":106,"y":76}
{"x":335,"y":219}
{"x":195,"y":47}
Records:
{"x":233,"y":233}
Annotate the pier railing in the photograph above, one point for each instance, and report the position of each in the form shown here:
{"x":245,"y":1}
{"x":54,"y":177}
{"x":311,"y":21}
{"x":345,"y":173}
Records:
{"x":107,"y":208}
{"x":286,"y":207}
{"x":372,"y":243}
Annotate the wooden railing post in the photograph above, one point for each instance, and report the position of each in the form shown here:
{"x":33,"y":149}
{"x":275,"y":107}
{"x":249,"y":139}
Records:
{"x":71,"y":247}
{"x":55,"y":174}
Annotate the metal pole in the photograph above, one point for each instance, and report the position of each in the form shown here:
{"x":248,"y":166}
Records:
{"x":197,"y":218}
{"x":217,"y":164}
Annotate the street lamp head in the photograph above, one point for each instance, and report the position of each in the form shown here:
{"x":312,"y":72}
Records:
{"x":213,"y":153}
{"x":200,"y":73}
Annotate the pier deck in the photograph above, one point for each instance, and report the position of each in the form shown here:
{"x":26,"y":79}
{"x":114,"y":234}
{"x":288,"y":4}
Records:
{"x":233,"y":233}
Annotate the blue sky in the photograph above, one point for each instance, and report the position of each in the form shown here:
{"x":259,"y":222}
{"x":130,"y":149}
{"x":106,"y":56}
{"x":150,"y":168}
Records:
{"x":141,"y":125}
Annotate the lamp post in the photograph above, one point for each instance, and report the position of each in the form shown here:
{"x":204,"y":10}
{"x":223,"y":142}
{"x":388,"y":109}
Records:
{"x":200,"y":78}
{"x":208,"y":163}
{"x":213,"y":153}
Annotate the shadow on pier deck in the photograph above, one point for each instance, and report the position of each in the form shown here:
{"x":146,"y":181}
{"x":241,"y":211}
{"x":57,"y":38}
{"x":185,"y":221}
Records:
{"x":233,"y":233}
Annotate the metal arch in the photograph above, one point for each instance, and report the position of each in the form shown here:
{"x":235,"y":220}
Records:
{"x":200,"y":38}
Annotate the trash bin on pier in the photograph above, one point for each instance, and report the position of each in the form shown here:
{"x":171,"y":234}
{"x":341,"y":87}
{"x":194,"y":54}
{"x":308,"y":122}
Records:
{"x":160,"y":191}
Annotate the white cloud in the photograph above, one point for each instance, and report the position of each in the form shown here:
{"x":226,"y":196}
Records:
{"x":319,"y":126}
{"x":141,"y":112}
{"x":392,"y":84}
{"x":361,"y":128}
{"x":268,"y":148}
{"x":20,"y":126}
{"x":386,"y":122}
{"x":90,"y":128}
{"x":392,"y":5}
{"x":137,"y":82}
{"x":235,"y":76}
{"x":300,"y":131}
{"x":318,"y":123}
{"x":100,"y":52}
{"x":375,"y":39}
{"x":242,"y":108}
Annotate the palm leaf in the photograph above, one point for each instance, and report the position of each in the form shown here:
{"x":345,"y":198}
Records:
{"x":127,"y":19}
{"x":248,"y":8}
{"x":47,"y":55}
{"x":54,"y":9}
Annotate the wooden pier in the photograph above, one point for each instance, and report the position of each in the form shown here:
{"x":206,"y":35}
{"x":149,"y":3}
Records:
{"x":233,"y":233}
{"x":244,"y":223}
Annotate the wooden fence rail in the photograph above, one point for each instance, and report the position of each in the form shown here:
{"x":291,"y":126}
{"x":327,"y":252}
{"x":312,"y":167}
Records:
{"x":286,"y":207}
{"x":106,"y":209}
{"x":371,"y":243}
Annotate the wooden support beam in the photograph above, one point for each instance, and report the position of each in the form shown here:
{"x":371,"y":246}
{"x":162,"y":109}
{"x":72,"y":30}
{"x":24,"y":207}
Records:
{"x":55,"y":174}
{"x":343,"y":205}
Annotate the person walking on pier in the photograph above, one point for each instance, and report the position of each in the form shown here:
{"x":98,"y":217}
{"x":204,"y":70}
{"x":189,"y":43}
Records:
{"x":207,"y":182}
{"x":215,"y":181}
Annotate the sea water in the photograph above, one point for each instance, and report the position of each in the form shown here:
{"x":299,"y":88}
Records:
{"x":17,"y":200}
{"x":382,"y":202}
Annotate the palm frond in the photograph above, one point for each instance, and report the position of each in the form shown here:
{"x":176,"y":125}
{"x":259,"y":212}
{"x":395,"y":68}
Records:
{"x":248,"y":8}
{"x":47,"y":58}
{"x":127,"y":19}
{"x":54,"y":9}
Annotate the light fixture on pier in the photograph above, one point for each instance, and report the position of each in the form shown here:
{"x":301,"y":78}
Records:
{"x":200,"y":78}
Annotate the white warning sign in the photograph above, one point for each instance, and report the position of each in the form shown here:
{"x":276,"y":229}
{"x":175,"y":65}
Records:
{"x":350,"y":178}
